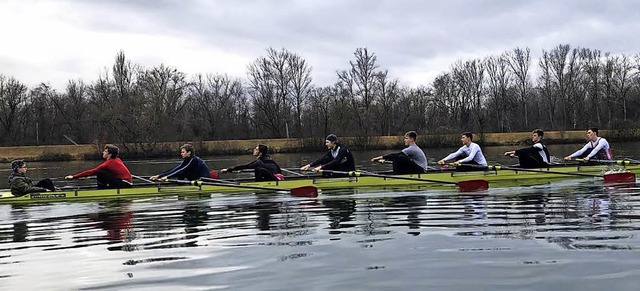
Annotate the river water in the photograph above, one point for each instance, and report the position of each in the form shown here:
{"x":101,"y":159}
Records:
{"x":568,"y":235}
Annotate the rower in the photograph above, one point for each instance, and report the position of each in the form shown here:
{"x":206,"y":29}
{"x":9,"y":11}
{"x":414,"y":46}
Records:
{"x":191,"y":168}
{"x":411,"y":160}
{"x":596,"y":147}
{"x":535,"y":156}
{"x":265,"y":168}
{"x":112,"y":173}
{"x":338,"y":158}
{"x":470,"y":154}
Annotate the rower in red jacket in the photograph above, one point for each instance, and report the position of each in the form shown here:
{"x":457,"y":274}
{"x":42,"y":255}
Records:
{"x":112,"y":173}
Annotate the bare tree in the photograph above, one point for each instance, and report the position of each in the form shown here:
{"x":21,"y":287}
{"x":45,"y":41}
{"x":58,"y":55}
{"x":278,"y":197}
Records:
{"x":519,"y":62}
{"x":213,"y":98}
{"x":470,"y":77}
{"x":498,"y":82}
{"x":13,"y":95}
{"x":359,"y":85}
{"x":593,"y":69}
{"x":278,"y":84}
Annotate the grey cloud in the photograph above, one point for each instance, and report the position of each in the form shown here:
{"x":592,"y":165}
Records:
{"x":401,"y":33}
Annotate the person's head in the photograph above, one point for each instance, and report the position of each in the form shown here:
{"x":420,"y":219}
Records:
{"x":592,"y":133}
{"x":330,"y":141}
{"x":186,"y":150}
{"x":410,"y":137}
{"x":19,"y":166}
{"x":537,"y":135}
{"x":466,"y":138}
{"x":110,"y":151}
{"x":261,"y":150}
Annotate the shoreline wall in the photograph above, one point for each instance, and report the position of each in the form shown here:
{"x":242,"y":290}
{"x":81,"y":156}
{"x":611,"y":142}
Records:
{"x":232,"y":147}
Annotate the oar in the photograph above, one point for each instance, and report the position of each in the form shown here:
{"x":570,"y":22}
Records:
{"x":304,"y":191}
{"x":610,"y":177}
{"x":619,"y":162}
{"x":468,"y":185}
{"x":143,"y":179}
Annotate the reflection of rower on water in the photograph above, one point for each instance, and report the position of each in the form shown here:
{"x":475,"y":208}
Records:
{"x":596,"y":147}
{"x":265,"y":168}
{"x":191,"y":168}
{"x":535,"y":156}
{"x":469,"y":153}
{"x":411,"y":160}
{"x":338,"y":158}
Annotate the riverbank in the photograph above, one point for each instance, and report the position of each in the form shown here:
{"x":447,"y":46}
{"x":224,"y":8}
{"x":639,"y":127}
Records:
{"x":231,"y":147}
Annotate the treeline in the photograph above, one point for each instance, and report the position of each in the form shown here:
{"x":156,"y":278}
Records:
{"x":567,"y":88}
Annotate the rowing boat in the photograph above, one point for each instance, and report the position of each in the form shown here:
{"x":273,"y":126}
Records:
{"x":497,"y":176}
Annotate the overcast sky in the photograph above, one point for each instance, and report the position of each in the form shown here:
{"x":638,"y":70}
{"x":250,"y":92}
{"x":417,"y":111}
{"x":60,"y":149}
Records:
{"x":55,"y":41}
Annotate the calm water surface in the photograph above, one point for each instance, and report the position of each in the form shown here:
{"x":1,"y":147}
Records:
{"x":569,"y":235}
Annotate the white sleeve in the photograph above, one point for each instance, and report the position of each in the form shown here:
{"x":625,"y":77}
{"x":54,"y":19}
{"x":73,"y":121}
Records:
{"x":474,"y":150}
{"x":452,"y":156}
{"x":595,"y":150}
{"x":583,"y":150}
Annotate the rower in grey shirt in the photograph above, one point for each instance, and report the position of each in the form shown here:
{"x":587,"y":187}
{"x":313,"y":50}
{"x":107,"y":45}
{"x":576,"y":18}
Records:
{"x":410,"y":160}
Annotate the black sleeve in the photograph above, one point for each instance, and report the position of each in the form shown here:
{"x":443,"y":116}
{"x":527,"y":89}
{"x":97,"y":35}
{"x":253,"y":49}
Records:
{"x":342,"y":153}
{"x":322,"y":160}
{"x":252,"y":165}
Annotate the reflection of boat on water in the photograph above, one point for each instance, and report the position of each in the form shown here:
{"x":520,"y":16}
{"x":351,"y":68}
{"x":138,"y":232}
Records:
{"x":441,"y":179}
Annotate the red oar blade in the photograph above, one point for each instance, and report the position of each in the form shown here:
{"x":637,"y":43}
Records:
{"x":305,"y":191}
{"x":473,"y":185}
{"x":620,"y":177}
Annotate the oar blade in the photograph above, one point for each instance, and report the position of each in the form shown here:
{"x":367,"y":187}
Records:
{"x":473,"y":185}
{"x":305,"y":191}
{"x":620,"y":177}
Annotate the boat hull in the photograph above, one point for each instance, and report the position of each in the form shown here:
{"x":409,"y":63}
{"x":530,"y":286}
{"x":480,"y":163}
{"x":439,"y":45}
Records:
{"x":496,"y":178}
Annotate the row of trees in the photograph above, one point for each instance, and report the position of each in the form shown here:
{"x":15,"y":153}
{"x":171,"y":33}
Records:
{"x":566,"y":88}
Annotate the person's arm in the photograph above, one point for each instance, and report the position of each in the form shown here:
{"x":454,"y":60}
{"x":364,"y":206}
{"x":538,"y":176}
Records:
{"x":342,"y":153}
{"x":595,"y":150}
{"x":90,"y":172}
{"x":451,"y":156}
{"x":578,"y":153}
{"x":474,"y":149}
{"x":322,"y":160}
{"x":179,"y":169}
{"x":251,"y":165}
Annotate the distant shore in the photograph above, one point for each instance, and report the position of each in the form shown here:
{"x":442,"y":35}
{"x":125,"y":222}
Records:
{"x":290,"y":145}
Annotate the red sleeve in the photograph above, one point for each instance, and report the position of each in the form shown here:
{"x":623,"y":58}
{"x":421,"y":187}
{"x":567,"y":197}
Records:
{"x":91,"y":172}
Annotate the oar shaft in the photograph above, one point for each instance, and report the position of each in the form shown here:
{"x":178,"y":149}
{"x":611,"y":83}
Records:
{"x":498,"y":168}
{"x":358,"y":174}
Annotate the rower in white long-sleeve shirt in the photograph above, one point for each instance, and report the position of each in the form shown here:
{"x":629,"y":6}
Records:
{"x":469,"y":153}
{"x":597,"y":147}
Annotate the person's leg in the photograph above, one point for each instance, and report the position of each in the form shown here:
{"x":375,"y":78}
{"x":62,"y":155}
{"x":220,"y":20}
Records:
{"x":262,"y":174}
{"x":470,"y":166}
{"x":47,"y":184}
{"x":404,"y":165}
{"x":106,"y":180}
